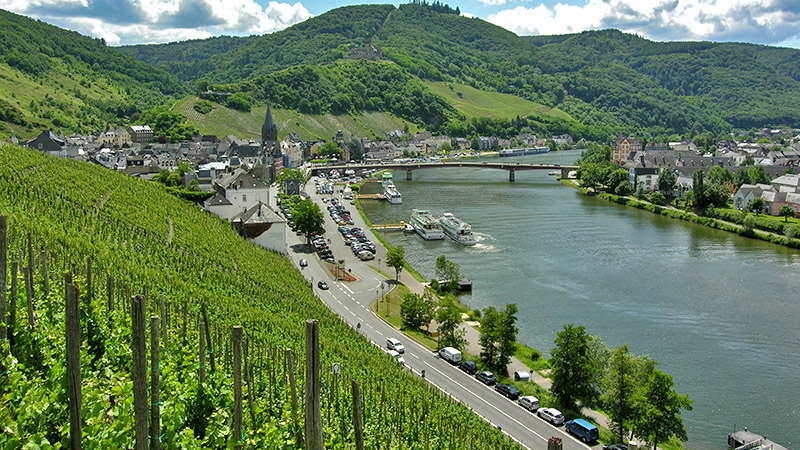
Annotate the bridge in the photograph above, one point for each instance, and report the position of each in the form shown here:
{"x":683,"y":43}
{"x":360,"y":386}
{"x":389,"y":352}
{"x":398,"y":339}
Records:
{"x":511,"y":167}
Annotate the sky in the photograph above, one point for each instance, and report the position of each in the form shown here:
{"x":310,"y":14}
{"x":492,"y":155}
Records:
{"x":124,"y":22}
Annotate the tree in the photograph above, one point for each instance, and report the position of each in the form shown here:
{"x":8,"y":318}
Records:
{"x":308,"y":218}
{"x":395,"y":259}
{"x":489,"y":324}
{"x":574,"y":372}
{"x":666,"y":182}
{"x":447,"y":272}
{"x":748,"y":223}
{"x":475,"y":143}
{"x":329,"y":149}
{"x":658,"y":409}
{"x":618,"y":180}
{"x":417,"y":310}
{"x":786,"y":211}
{"x":757,"y":175}
{"x":446,"y":147}
{"x":356,"y":149}
{"x":592,"y":174}
{"x":699,"y":189}
{"x":757,"y":205}
{"x":619,"y":386}
{"x":719,"y":175}
{"x":449,"y":319}
{"x":498,"y":337}
{"x":288,"y":174}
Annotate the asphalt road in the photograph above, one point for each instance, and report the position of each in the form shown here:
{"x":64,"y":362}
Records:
{"x":351,"y":301}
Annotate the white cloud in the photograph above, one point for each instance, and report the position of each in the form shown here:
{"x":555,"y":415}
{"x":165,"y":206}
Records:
{"x":493,"y":2}
{"x":762,"y":21}
{"x":154,"y":21}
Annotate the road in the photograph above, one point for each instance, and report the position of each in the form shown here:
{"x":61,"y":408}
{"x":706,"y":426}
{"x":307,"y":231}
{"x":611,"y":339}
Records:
{"x":351,"y":301}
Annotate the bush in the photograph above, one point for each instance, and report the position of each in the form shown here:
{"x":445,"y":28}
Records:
{"x":748,"y":223}
{"x":535,"y":354}
{"x":203,"y":106}
{"x":657,"y":198}
{"x":790,"y":231}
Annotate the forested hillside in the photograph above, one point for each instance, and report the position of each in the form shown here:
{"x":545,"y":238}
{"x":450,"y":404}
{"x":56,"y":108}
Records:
{"x":607,"y":81}
{"x":153,"y":244}
{"x":59,"y":79}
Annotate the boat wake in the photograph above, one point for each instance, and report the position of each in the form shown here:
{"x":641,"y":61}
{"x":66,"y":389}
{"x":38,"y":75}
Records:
{"x":484,"y":243}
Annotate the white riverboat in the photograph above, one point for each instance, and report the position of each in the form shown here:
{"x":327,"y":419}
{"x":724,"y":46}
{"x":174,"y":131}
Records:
{"x":392,"y":195}
{"x":426,"y":225}
{"x":456,"y":229}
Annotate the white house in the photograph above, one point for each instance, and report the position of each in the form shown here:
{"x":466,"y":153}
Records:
{"x":262,"y":226}
{"x":748,"y":192}
{"x":242,"y":190}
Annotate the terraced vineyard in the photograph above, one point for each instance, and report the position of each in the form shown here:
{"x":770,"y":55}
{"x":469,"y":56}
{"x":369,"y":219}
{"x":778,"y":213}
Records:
{"x":153,"y":244}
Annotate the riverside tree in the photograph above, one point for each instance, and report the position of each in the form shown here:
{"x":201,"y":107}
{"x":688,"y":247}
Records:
{"x":448,"y":272}
{"x":449,"y":319}
{"x":574,"y":371}
{"x":395,"y":258}
{"x":619,"y":386}
{"x":666,"y":182}
{"x":658,"y":409}
{"x":498,"y":337}
{"x":757,"y":205}
{"x":417,"y":310}
{"x":786,"y":211}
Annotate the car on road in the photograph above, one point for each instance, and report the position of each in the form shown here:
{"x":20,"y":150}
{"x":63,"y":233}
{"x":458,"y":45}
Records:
{"x":396,"y":345}
{"x":322,"y":285}
{"x":615,"y":447}
{"x":508,"y":390}
{"x":486,"y":378}
{"x":303,"y":263}
{"x":396,"y":356}
{"x":468,"y":367}
{"x":551,"y":415}
{"x":530,"y":403}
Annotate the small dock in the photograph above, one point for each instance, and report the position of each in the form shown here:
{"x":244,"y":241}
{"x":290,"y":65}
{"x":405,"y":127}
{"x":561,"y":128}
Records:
{"x":369,"y":196}
{"x":389,"y":227}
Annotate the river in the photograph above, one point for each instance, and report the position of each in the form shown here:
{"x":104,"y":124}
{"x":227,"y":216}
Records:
{"x":719,"y":312}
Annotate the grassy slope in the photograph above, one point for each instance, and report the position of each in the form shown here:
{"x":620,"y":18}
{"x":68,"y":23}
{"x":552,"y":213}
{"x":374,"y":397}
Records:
{"x":144,"y":237}
{"x":479,"y":103}
{"x":223,"y":121}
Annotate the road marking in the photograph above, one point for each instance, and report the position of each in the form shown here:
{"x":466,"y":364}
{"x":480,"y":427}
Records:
{"x":346,"y":288}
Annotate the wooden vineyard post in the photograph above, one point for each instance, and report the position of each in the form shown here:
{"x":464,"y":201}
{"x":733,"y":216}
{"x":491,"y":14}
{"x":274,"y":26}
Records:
{"x":292,"y":383}
{"x":202,"y":352}
{"x":236,"y":337}
{"x":208,"y":336}
{"x":28,"y":273}
{"x":139,"y":371}
{"x":358,"y":426}
{"x":163,"y":324}
{"x":155,"y":375}
{"x":73,"y":337}
{"x":12,"y":314}
{"x":110,"y":292}
{"x":45,"y":275}
{"x":31,"y":261}
{"x":89,"y":282}
{"x":3,"y":275}
{"x":313,"y":414}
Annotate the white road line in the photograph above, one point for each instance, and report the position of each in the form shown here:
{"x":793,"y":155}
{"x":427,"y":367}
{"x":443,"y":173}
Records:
{"x":346,"y":288}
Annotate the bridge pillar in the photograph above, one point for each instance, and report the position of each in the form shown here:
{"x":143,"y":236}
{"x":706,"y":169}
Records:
{"x":564,"y":174}
{"x":408,"y":174}
{"x":511,"y":174}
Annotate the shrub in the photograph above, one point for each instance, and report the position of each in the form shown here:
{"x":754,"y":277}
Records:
{"x":535,"y":355}
{"x":790,"y":231}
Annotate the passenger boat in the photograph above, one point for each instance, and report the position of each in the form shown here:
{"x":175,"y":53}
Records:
{"x":523,"y":151}
{"x":456,"y":229}
{"x":392,"y":195}
{"x":426,"y":225}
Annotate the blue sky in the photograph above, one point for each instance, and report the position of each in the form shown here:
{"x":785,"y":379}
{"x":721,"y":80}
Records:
{"x":122,"y":22}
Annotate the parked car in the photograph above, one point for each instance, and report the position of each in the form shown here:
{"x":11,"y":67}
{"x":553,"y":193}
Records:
{"x":450,"y":355}
{"x":615,"y":447}
{"x":322,"y":285}
{"x":303,"y":263}
{"x":394,"y":344}
{"x":468,"y":367}
{"x":582,"y":429}
{"x":507,"y":390}
{"x":486,"y":378}
{"x":530,"y":403}
{"x":551,"y":415}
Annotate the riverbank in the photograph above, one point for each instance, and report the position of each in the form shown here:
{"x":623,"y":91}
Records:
{"x":688,"y":216}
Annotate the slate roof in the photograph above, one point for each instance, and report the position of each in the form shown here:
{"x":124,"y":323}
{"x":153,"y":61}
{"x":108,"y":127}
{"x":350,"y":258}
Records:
{"x":240,"y":179}
{"x":217,"y":200}
{"x":259,"y":213}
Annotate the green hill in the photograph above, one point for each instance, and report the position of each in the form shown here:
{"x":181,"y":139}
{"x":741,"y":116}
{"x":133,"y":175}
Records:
{"x":153,"y":243}
{"x":607,"y":81}
{"x":59,"y":79}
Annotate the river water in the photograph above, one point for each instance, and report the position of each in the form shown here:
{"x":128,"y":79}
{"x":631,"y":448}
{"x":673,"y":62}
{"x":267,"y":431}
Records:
{"x":720,"y":313}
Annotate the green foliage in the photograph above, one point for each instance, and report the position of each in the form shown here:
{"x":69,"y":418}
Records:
{"x":574,"y":372}
{"x":498,"y":337}
{"x":417,"y":310}
{"x":786,"y":211}
{"x":667,"y":180}
{"x":166,"y":123}
{"x":757,"y":205}
{"x":448,"y":317}
{"x":619,"y":385}
{"x":448,"y":273}
{"x":308,"y":218}
{"x":356,"y":149}
{"x":239,"y":102}
{"x":151,"y":241}
{"x":791,"y":231}
{"x":203,"y":106}
{"x":329,"y":149}
{"x":395,"y":258}
{"x":658,"y":409}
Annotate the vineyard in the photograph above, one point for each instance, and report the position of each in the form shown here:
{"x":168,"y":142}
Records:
{"x":80,"y":235}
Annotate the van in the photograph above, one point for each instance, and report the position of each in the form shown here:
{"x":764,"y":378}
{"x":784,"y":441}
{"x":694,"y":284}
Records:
{"x":365,"y":255}
{"x":450,"y":355}
{"x":582,"y":429}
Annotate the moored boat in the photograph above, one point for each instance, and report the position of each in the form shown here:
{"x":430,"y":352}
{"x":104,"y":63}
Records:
{"x":426,"y":225}
{"x":457,"y":230}
{"x":523,"y":151}
{"x":392,"y":195}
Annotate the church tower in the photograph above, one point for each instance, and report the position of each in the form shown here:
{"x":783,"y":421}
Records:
{"x":270,"y":147}
{"x":269,"y":131}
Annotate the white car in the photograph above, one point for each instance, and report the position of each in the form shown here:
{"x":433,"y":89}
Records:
{"x":552,"y":415}
{"x":397,"y":356}
{"x":394,"y":344}
{"x":529,"y":402}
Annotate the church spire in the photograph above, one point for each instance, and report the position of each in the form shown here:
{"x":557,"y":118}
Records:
{"x":269,"y":131}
